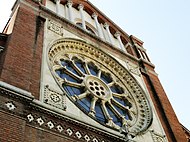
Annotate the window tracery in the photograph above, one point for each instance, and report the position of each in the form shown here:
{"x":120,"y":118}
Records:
{"x":99,"y":85}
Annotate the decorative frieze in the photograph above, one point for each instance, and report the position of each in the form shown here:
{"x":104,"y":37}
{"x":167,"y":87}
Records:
{"x":55,"y":27}
{"x":39,"y":117}
{"x":71,"y":132}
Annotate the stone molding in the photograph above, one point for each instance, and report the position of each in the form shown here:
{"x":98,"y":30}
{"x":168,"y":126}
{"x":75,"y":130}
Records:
{"x":15,"y":92}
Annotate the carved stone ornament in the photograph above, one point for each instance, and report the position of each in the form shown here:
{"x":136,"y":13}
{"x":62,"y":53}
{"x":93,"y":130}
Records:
{"x":54,"y":98}
{"x":157,"y":137}
{"x":99,"y":85}
{"x":55,"y":27}
{"x":1,"y":49}
{"x":133,"y":69}
{"x":10,"y":106}
{"x":60,"y":128}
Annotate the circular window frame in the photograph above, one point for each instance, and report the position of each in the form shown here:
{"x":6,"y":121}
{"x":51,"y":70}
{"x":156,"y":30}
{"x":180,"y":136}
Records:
{"x":143,"y":110}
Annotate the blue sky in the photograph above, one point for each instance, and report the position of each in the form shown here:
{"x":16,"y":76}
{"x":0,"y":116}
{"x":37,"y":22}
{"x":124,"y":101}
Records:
{"x":164,"y":26}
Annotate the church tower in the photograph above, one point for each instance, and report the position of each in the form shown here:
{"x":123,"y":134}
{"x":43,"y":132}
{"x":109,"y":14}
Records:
{"x":69,"y":74}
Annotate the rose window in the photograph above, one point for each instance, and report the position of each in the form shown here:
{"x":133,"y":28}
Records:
{"x":94,"y":90}
{"x":99,"y":85}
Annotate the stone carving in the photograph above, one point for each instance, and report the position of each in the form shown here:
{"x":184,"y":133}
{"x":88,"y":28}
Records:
{"x":60,"y":128}
{"x":1,"y":49}
{"x":55,"y":27}
{"x":71,"y":51}
{"x":40,"y":121}
{"x":69,"y":132}
{"x":49,"y":124}
{"x":87,"y":138}
{"x":133,"y":69}
{"x":157,"y":137}
{"x":30,"y":117}
{"x":78,"y":134}
{"x":53,"y":98}
{"x":95,"y":140}
{"x":10,"y":106}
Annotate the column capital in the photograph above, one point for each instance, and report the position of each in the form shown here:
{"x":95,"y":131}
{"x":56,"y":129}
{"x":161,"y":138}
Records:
{"x":94,"y":15}
{"x":69,"y":3}
{"x":81,"y":6}
{"x":117,"y":34}
{"x":106,"y":25}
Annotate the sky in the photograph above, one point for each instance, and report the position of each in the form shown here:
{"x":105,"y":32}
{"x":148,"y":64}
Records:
{"x":164,"y":26}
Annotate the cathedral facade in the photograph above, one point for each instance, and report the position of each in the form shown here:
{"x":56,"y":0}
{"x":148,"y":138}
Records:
{"x":68,"y":73}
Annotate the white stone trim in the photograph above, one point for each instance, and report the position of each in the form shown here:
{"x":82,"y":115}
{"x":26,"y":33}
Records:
{"x":22,"y":92}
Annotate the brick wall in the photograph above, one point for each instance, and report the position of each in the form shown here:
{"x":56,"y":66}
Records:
{"x":38,"y":135}
{"x":164,"y":109}
{"x":12,"y":128}
{"x":21,"y":67}
{"x":22,"y":62}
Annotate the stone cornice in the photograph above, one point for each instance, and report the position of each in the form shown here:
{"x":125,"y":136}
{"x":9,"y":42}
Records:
{"x":12,"y":91}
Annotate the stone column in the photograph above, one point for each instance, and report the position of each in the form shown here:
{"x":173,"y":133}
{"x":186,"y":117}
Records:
{"x":118,"y":36}
{"x":106,"y":26}
{"x":69,"y":5}
{"x":57,"y":6}
{"x":95,"y":17}
{"x":80,"y":7}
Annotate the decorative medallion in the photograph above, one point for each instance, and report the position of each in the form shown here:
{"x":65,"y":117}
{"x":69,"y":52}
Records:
{"x":99,"y":85}
{"x":55,"y":27}
{"x":157,"y":137}
{"x":54,"y":98}
{"x":133,"y":69}
{"x":10,"y":106}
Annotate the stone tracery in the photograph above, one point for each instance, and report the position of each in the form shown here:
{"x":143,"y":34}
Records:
{"x":99,"y":85}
